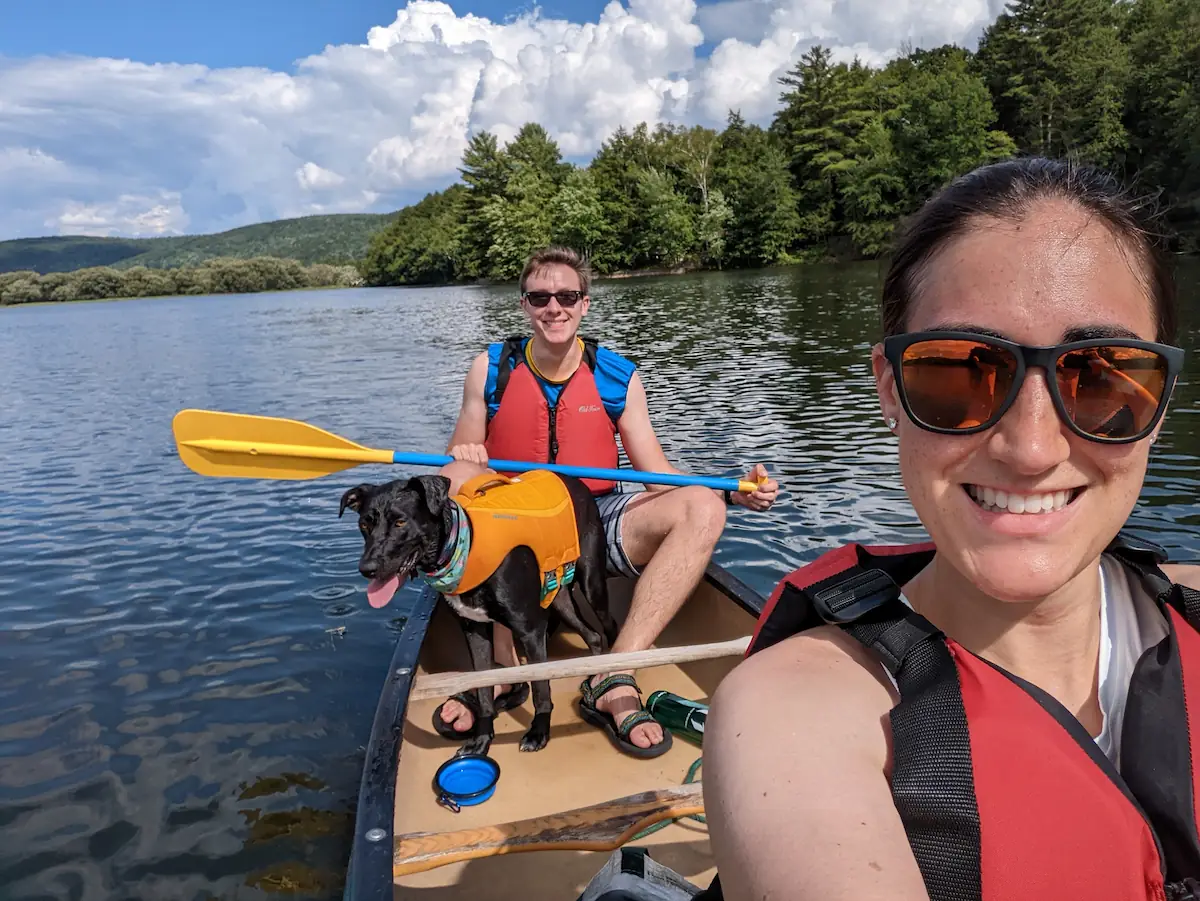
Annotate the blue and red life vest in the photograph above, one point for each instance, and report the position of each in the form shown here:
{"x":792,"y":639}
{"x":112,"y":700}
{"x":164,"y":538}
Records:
{"x":574,"y":423}
{"x":1003,"y":794}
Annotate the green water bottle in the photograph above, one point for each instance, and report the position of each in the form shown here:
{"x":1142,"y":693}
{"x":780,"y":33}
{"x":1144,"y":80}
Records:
{"x":681,"y":716}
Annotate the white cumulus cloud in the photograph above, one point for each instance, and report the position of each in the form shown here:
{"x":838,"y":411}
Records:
{"x":129,"y":215}
{"x":757,"y":41}
{"x":106,"y":146}
{"x":313,"y":178}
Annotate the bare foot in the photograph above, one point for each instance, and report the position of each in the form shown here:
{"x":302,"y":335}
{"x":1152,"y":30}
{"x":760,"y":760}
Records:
{"x":460,"y":716}
{"x":623,"y":701}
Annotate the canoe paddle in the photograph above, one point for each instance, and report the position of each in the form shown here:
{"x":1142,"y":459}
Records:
{"x":238,"y":445}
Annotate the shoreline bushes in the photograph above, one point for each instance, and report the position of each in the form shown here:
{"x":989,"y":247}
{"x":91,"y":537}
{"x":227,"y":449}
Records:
{"x":219,"y":276}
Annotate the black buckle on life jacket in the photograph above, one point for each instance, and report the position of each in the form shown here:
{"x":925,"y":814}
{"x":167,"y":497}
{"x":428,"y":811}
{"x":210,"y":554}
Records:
{"x":849,"y":597}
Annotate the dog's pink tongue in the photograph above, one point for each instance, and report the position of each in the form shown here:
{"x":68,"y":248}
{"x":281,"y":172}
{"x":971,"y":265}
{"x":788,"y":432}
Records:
{"x":380,"y":591}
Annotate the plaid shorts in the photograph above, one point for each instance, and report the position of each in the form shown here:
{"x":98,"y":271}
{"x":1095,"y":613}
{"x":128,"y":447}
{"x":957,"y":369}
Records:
{"x":612,"y":511}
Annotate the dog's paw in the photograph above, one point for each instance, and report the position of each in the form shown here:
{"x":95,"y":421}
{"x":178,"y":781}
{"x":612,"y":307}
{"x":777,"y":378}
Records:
{"x":477,"y":745}
{"x":538,"y":735}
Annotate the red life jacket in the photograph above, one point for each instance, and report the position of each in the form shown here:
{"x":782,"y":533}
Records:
{"x":576,"y":432}
{"x":1003,"y":794}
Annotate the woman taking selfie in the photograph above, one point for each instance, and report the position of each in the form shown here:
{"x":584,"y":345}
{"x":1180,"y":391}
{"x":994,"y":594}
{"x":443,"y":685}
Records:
{"x":1011,"y":711}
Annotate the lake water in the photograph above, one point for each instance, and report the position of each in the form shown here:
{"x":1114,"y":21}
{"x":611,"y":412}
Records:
{"x":189,"y":666}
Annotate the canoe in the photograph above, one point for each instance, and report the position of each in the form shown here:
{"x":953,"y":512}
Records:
{"x":402,"y":835}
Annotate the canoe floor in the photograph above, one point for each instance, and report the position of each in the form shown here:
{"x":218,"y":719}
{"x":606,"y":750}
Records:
{"x":579,"y":767}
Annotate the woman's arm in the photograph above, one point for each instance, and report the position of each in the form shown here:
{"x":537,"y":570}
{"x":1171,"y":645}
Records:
{"x":795,"y":786}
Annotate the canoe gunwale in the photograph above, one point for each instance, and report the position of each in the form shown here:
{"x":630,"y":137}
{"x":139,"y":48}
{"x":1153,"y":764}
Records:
{"x":369,"y":875}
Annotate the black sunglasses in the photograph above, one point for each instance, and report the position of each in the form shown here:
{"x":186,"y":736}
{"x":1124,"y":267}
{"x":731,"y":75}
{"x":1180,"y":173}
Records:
{"x":564,"y":298}
{"x":1111,"y":390}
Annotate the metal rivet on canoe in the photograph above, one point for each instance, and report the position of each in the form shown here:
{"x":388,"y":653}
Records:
{"x":403,"y":671}
{"x":376,"y":834}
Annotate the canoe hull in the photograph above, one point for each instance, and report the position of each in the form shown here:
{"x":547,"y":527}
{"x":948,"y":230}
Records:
{"x":579,"y":767}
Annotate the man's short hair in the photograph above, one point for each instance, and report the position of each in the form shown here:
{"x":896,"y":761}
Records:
{"x":558,"y":256}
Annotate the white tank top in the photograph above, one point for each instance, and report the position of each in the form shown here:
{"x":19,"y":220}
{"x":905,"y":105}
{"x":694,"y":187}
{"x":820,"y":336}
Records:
{"x":1130,"y":622}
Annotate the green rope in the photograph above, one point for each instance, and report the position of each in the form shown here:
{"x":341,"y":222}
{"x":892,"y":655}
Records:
{"x":698,"y":817}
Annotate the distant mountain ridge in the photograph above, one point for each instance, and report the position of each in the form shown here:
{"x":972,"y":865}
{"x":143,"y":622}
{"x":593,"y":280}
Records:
{"x":336,"y":238}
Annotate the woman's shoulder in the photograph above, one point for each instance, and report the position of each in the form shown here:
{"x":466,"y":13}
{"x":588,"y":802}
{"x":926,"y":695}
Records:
{"x":822,"y":673}
{"x":796,"y":755}
{"x":1183,"y":573}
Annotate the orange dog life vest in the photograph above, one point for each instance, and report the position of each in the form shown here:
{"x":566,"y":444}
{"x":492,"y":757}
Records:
{"x":532,"y":510}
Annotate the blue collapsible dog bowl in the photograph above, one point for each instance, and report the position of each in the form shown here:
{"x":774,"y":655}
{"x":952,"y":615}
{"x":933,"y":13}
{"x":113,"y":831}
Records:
{"x":466,"y":780}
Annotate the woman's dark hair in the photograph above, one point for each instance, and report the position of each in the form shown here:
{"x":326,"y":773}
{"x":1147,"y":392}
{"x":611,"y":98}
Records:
{"x":1007,"y":190}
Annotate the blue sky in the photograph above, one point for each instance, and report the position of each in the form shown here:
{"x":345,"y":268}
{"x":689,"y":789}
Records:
{"x":160,"y":117}
{"x":219,"y":33}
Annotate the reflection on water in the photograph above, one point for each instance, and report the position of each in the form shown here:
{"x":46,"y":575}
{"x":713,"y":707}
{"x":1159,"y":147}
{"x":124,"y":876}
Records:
{"x":189,"y":668}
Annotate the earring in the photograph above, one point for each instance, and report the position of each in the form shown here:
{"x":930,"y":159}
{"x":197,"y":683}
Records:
{"x":891,"y":423}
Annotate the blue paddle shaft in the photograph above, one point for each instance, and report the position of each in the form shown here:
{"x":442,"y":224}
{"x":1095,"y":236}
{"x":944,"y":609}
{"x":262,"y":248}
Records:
{"x":580,"y":472}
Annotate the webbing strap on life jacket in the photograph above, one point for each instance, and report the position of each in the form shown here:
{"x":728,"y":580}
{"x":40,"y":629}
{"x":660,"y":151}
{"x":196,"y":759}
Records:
{"x":1187,"y":889}
{"x":1144,"y":558}
{"x":932,"y":782}
{"x":511,"y":351}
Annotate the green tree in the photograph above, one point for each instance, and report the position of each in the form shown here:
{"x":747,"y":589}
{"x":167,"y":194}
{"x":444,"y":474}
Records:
{"x":142,"y":282}
{"x":940,"y":115}
{"x":191,"y":281}
{"x":52,"y":281}
{"x":423,"y":244}
{"x":577,"y":217}
{"x":1163,"y":101}
{"x":668,"y":231}
{"x":25,"y":288}
{"x":535,"y":151}
{"x":485,"y":171}
{"x":691,"y":153}
{"x":752,"y":173}
{"x":95,"y":283}
{"x":1058,"y":71}
{"x":517,"y":220}
{"x":711,"y":228}
{"x":519,"y":223}
{"x":616,"y":170}
{"x":818,"y":126}
{"x":874,"y":190}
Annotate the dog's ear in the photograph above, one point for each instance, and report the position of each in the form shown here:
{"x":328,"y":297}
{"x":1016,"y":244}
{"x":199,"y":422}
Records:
{"x":433,"y":490}
{"x":354,"y":499}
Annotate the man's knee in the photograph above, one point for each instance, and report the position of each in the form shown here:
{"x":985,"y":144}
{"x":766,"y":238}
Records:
{"x":702,"y":512}
{"x":458,"y":472}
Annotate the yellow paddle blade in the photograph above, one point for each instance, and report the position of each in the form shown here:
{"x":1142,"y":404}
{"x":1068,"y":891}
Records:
{"x":236,"y":445}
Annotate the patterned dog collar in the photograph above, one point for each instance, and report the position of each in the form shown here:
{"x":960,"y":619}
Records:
{"x":445,"y":578}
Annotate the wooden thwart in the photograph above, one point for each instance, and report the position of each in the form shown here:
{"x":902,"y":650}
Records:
{"x":600,"y":827}
{"x":436,"y":685}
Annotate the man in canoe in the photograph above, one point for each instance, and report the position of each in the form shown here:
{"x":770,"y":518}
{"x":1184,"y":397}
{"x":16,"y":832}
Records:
{"x":556,"y":397}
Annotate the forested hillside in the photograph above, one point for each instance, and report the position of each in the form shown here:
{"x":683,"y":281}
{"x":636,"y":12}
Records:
{"x":850,"y":152}
{"x":311,"y":239}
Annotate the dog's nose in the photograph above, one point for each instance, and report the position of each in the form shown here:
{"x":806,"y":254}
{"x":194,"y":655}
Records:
{"x":368,"y":569}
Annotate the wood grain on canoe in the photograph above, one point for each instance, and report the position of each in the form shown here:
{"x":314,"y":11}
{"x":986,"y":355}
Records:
{"x":600,"y":827}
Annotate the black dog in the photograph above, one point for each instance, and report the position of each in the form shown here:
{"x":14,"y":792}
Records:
{"x":405,"y":525}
